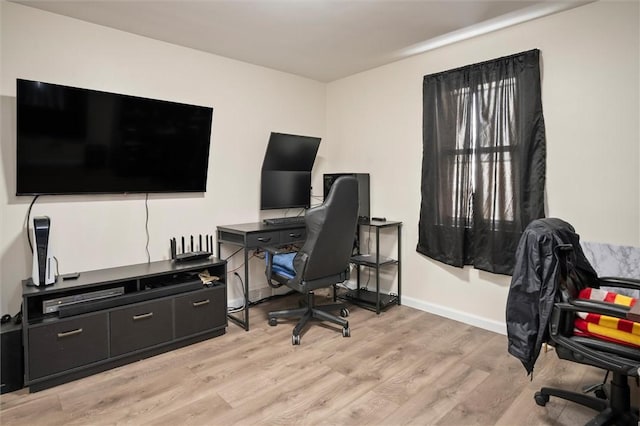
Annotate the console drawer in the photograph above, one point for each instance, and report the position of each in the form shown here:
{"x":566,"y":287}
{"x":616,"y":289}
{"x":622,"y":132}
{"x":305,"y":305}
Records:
{"x":200,"y":311}
{"x":67,"y":344}
{"x":263,"y":239}
{"x":141,"y":326}
{"x":293,"y":236}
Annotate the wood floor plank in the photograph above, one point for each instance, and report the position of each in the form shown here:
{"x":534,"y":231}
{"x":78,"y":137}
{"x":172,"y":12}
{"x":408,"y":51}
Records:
{"x":450,"y":385}
{"x":403,"y":366}
{"x":37,"y":411}
{"x":369,"y":409}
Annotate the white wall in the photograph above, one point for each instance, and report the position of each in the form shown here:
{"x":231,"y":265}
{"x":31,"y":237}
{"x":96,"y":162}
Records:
{"x":103,"y":231}
{"x":590,"y":85}
{"x":371,"y":122}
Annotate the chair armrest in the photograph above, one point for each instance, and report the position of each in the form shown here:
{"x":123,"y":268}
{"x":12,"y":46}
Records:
{"x":620,"y":282}
{"x":604,"y":360}
{"x":595,"y":307}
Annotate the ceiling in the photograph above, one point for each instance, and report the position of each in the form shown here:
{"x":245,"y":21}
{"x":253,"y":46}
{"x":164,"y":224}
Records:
{"x":319,"y":39}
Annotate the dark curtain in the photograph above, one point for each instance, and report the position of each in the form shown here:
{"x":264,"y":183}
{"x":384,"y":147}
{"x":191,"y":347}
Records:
{"x":483,"y":165}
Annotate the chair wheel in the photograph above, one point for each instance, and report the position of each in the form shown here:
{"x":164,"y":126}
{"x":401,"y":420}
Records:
{"x":344,"y":312}
{"x":541,"y":399}
{"x":346,"y":332}
{"x":273,"y":322}
{"x":295,"y":340}
{"x":600,"y":393}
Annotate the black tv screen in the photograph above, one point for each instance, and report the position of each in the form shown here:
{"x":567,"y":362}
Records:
{"x":286,"y":171}
{"x":79,"y":141}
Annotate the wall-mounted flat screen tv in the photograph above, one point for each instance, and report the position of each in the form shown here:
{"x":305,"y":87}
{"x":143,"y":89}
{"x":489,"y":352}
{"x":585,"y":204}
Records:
{"x":286,"y":171}
{"x":79,"y":141}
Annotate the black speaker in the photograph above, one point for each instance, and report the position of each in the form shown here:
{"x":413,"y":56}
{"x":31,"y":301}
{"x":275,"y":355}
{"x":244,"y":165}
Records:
{"x":12,"y":372}
{"x":363,"y":191}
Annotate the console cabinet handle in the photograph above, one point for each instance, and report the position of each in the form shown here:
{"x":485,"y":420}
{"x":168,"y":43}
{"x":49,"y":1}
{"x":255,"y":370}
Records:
{"x":292,"y":235}
{"x":142,"y":316}
{"x":264,"y":240}
{"x":201,"y":303}
{"x":69,"y":333}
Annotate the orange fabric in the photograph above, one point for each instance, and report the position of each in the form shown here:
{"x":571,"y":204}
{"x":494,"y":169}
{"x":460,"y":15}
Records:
{"x":614,"y":329}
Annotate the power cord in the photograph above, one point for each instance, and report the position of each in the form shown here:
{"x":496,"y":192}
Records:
{"x":146,"y":225}
{"x":235,"y":309}
{"x":238,"y":308}
{"x":286,"y":212}
{"x":272,"y":297}
{"x":234,"y":253}
{"x":242,"y":264}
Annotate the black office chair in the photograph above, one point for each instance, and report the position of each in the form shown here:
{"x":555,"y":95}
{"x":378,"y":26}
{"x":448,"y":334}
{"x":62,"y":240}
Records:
{"x":569,"y":272}
{"x":323,"y":260}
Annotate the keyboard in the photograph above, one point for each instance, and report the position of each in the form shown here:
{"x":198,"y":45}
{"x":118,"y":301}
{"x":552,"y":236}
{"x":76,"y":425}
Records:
{"x":292,"y":220}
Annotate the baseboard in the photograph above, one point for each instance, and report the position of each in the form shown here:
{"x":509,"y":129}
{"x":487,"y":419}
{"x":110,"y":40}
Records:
{"x":465,"y":317}
{"x":443,"y":311}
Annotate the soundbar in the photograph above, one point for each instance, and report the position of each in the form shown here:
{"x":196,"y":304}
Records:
{"x":53,"y":305}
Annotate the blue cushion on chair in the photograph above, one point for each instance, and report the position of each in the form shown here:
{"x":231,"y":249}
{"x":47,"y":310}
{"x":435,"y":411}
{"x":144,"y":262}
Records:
{"x":283,"y":264}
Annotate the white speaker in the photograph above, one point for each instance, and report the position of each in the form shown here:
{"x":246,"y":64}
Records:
{"x":44,"y":272}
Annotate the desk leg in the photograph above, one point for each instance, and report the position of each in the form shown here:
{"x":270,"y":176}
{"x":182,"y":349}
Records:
{"x":377,"y":270}
{"x":244,"y":323}
{"x":246,"y":289}
{"x":399,"y":263}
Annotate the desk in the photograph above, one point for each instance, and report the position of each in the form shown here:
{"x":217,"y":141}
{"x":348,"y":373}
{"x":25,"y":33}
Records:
{"x":634,"y":313}
{"x":251,"y":236}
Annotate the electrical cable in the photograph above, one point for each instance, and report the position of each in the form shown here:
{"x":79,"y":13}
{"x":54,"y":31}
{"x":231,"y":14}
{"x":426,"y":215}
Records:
{"x":235,"y":309}
{"x":27,"y":222}
{"x":146,"y":225}
{"x":242,"y":264}
{"x":234,"y":253}
{"x":272,"y":297}
{"x":238,"y":308}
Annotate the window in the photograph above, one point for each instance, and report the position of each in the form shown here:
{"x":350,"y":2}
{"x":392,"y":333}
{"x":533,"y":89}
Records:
{"x":483,"y":169}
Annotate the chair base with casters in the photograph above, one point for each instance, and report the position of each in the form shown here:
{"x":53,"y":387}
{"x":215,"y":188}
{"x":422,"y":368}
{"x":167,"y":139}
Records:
{"x":612,"y":401}
{"x":312,"y":311}
{"x":614,"y":410}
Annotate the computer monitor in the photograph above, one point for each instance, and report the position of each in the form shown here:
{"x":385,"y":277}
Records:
{"x":284,"y":189}
{"x":286,"y":171}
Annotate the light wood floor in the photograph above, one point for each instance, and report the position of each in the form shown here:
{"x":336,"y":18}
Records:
{"x":402,"y":367}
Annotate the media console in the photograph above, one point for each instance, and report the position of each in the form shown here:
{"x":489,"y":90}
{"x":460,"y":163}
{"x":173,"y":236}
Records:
{"x":111,"y":317}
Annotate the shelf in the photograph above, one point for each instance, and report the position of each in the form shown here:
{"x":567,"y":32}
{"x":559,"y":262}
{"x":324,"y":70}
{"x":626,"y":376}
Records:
{"x":163,"y":306}
{"x":367,"y":299}
{"x":370,"y":260}
{"x":375,"y":300}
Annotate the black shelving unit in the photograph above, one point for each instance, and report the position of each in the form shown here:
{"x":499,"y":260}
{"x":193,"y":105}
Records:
{"x":376,"y":301}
